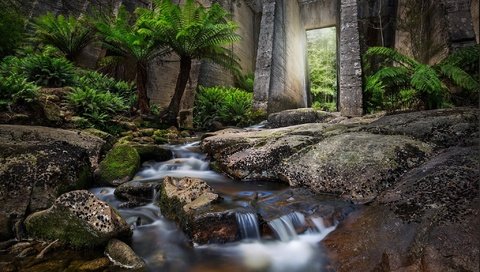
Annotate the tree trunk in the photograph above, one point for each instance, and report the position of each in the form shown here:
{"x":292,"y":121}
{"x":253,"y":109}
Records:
{"x":182,"y":80}
{"x":142,"y":98}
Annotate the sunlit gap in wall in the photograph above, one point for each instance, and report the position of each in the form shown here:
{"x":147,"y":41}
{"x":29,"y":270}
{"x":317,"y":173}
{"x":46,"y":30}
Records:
{"x":322,"y":64}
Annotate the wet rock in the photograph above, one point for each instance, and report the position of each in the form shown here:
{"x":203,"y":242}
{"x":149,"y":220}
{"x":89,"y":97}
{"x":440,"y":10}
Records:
{"x":78,"y":218}
{"x":38,"y":164}
{"x":189,"y":202}
{"x":120,"y":165}
{"x":152,"y":152}
{"x":298,"y":116}
{"x":138,"y":193}
{"x":355,"y":165}
{"x":122,"y":255}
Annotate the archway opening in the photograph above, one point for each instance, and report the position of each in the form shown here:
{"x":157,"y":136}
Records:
{"x":322,"y":66}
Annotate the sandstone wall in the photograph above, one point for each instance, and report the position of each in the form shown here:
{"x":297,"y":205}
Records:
{"x":318,"y":14}
{"x":475,"y":8}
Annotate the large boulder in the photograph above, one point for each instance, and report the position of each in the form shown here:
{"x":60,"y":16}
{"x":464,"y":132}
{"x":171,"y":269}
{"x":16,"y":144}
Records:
{"x":356,"y":165}
{"x":427,"y":222}
{"x":78,"y":218}
{"x":38,"y":164}
{"x":137,"y":193}
{"x":190,"y":202}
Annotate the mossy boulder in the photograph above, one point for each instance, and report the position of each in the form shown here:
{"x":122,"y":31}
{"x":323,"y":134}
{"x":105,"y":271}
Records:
{"x":120,"y":165}
{"x":79,"y":219}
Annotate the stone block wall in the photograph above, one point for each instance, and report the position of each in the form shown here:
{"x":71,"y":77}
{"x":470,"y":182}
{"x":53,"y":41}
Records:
{"x":318,"y":14}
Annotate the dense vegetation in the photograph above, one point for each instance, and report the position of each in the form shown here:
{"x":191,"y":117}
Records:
{"x":321,"y":50}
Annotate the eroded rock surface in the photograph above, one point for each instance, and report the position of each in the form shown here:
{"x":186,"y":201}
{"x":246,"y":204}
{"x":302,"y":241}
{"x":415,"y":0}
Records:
{"x":78,"y":218}
{"x":122,"y":255}
{"x":37,"y":164}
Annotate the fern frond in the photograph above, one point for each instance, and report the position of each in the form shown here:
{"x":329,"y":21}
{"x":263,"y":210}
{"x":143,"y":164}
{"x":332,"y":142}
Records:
{"x":392,"y":55}
{"x":460,"y":77}
{"x":425,"y":79}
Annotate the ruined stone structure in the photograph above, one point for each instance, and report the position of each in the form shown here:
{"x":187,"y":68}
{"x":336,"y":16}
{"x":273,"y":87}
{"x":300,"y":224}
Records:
{"x":273,"y":45}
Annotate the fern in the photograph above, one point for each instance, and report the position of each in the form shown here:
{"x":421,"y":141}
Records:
{"x":68,"y":34}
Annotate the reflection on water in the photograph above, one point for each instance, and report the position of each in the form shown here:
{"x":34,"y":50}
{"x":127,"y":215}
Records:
{"x":164,"y":247}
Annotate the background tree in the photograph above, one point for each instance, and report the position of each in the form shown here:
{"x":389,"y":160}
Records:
{"x":122,"y":36}
{"x":68,"y":34}
{"x":192,"y":32}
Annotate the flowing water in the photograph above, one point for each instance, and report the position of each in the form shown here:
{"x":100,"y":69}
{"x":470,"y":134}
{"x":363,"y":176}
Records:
{"x":293,"y":245}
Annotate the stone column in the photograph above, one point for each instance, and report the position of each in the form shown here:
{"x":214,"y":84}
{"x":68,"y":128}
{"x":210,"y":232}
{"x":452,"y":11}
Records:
{"x":350,"y":74}
{"x":264,"y":56}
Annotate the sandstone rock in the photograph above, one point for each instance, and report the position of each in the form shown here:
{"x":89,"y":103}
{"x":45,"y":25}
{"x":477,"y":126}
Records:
{"x":38,"y":164}
{"x":426,"y":222}
{"x":120,"y":165}
{"x":298,"y":116}
{"x":78,"y":218}
{"x":355,"y":165}
{"x":189,"y":202}
{"x":122,"y":255}
{"x":444,"y":127}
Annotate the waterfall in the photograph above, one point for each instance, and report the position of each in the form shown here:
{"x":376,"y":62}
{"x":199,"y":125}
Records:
{"x":284,"y":227}
{"x":248,"y":225}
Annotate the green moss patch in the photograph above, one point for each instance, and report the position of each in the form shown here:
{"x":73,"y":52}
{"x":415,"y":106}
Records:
{"x":122,"y":161}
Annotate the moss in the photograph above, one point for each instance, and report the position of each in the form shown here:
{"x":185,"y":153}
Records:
{"x":84,"y":179}
{"x":120,"y":162}
{"x":73,"y":231}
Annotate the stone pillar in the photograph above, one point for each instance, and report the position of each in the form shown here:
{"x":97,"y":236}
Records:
{"x":350,"y":73}
{"x":264,"y":56}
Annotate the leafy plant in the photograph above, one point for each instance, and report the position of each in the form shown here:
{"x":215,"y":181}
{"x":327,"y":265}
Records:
{"x":229,"y":106}
{"x":105,"y":83}
{"x":15,"y":89}
{"x":68,"y":34}
{"x":48,"y":71}
{"x":90,"y":102}
{"x":192,"y":32}
{"x":245,"y":82}
{"x":402,"y":82}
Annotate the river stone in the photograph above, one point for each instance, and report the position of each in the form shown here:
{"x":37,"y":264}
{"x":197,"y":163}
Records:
{"x":78,"y":218}
{"x":298,"y":116}
{"x":137,"y":193}
{"x":190,"y":202}
{"x":119,"y":166}
{"x":355,"y":165}
{"x":122,"y":255}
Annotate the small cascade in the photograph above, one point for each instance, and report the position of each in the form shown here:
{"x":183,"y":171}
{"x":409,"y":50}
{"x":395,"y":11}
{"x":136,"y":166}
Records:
{"x":284,"y":227}
{"x":248,"y":225}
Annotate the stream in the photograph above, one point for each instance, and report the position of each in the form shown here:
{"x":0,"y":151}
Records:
{"x":294,"y":244}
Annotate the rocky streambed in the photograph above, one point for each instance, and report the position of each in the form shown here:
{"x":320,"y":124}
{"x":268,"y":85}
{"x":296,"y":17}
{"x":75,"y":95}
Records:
{"x":393,"y":193}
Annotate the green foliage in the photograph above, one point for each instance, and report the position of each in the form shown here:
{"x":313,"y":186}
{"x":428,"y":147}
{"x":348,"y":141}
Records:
{"x":321,"y":52}
{"x":15,"y":89}
{"x":47,"y":71}
{"x":245,"y":82}
{"x":103,"y":83}
{"x":401,"y":82}
{"x":68,"y":34}
{"x":229,"y":106}
{"x":11,"y":29}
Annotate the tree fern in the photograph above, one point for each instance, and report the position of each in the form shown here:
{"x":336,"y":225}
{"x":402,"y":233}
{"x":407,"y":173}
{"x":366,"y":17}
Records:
{"x":68,"y":34}
{"x":192,"y":32}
